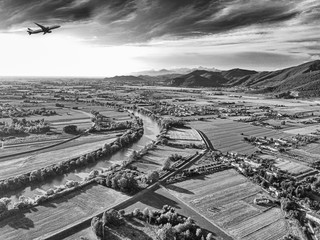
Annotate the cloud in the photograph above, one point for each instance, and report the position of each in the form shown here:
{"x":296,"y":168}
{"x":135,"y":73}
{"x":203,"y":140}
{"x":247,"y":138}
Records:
{"x":125,"y":21}
{"x":61,"y":11}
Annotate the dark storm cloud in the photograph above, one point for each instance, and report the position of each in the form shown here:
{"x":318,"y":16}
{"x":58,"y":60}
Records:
{"x":15,"y":12}
{"x":142,"y":20}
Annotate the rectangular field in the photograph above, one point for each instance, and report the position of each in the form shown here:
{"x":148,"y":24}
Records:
{"x":62,"y":212}
{"x":226,"y":198}
{"x":227,"y":135}
{"x":184,"y":134}
{"x":292,"y":167}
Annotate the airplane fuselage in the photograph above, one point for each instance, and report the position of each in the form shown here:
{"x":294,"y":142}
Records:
{"x":42,"y":29}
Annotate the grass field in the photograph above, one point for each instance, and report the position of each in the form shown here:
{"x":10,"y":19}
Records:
{"x":59,"y":213}
{"x":304,"y":130}
{"x":292,"y":167}
{"x":19,"y":165}
{"x":184,"y":136}
{"x":155,"y":158}
{"x":225,"y":134}
{"x":226,"y":198}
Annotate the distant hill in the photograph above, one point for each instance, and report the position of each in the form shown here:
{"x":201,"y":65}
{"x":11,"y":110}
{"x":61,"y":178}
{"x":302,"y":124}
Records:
{"x":304,"y":78}
{"x":123,"y":79}
{"x":199,"y":78}
{"x":160,"y":79}
{"x":174,"y":71}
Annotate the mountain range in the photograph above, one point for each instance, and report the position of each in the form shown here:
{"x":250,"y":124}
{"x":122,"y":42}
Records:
{"x":304,"y":78}
{"x":171,"y":71}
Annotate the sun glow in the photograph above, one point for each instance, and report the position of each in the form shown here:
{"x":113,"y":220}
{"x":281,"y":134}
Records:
{"x":56,"y":55}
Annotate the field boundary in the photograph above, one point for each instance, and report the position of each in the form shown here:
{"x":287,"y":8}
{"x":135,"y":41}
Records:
{"x":197,"y":211}
{"x":68,"y":230}
{"x":206,"y":140}
{"x":43,"y":148}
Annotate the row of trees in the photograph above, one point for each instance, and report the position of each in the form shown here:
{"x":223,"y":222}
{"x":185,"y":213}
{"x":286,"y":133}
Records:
{"x":24,"y":126}
{"x":69,"y":165}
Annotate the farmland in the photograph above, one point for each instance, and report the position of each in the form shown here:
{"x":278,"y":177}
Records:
{"x":292,"y":167}
{"x":184,"y":136}
{"x":159,"y":197}
{"x":154,"y":159}
{"x":18,"y":165}
{"x":227,"y":135}
{"x":254,"y":135}
{"x":226,"y":198}
{"x":133,"y":229}
{"x":57,"y":214}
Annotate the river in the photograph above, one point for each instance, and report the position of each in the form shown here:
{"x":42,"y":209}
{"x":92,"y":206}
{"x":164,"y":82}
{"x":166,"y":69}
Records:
{"x":151,"y":130}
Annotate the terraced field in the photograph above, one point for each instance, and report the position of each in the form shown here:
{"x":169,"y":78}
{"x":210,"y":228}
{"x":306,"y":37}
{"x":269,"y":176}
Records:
{"x":226,"y":135}
{"x":57,"y":214}
{"x":226,"y":198}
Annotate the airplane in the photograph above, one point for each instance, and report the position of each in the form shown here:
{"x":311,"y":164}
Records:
{"x":43,"y":29}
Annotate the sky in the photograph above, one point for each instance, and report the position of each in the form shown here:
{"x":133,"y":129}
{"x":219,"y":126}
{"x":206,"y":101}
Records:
{"x":100,"y":38}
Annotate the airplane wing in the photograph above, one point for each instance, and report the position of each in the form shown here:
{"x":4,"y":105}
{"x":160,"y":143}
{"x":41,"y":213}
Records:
{"x":54,"y":27}
{"x":42,"y":27}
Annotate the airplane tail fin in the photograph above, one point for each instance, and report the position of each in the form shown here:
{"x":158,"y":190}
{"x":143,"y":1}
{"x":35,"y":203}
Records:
{"x":29,"y":31}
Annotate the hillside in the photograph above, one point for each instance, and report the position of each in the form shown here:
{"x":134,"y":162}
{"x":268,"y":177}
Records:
{"x":304,"y":78}
{"x":199,"y":78}
{"x":123,"y":79}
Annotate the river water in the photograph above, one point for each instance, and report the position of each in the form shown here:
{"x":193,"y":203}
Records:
{"x":151,"y":130}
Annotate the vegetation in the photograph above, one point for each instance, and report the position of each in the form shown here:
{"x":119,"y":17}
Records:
{"x":170,"y":224}
{"x":70,"y":129}
{"x":68,"y":166}
{"x":24,"y":126}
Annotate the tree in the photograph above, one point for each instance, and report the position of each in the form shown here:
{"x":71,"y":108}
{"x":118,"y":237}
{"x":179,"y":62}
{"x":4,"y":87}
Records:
{"x":136,"y":212}
{"x":209,"y":236}
{"x":96,"y":226}
{"x":166,"y":232}
{"x":4,"y":202}
{"x":166,"y":164}
{"x":71,"y":129}
{"x":198,"y":232}
{"x":146,"y":213}
{"x":153,"y":177}
{"x":111,"y":217}
{"x":188,"y":234}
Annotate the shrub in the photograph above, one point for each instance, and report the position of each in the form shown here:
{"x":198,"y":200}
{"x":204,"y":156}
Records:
{"x":70,"y":129}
